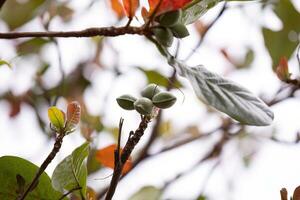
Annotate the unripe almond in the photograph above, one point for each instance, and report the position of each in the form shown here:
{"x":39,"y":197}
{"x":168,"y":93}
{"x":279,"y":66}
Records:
{"x":126,"y":102}
{"x":150,"y":91}
{"x":180,"y":31}
{"x":144,"y":106}
{"x":170,"y":18}
{"x":164,"y":100}
{"x":164,"y":36}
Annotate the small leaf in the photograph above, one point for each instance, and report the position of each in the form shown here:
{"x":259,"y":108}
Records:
{"x":106,"y":157}
{"x":3,"y":62}
{"x":282,"y":69}
{"x":73,"y":114}
{"x":117,"y":7}
{"x":147,"y":192}
{"x":71,"y":172}
{"x":56,"y":117}
{"x":130,"y":7}
{"x":225,"y":95}
{"x":17,"y":172}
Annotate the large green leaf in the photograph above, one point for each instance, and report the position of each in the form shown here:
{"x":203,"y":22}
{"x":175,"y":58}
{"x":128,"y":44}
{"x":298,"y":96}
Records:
{"x":281,"y":43}
{"x":72,"y":172}
{"x":225,"y":95}
{"x":147,"y":193}
{"x":16,"y":13}
{"x":12,"y":167}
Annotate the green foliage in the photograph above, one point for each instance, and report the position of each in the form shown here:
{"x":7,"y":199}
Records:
{"x":15,"y":176}
{"x":157,"y":78}
{"x":147,"y":193}
{"x":225,"y":95}
{"x":56,"y":117}
{"x":17,"y":13}
{"x":3,"y":62}
{"x":279,"y":43}
{"x":72,"y":172}
{"x":32,"y":46}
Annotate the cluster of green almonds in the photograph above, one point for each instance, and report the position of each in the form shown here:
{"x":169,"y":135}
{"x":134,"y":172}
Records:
{"x":152,"y":97}
{"x":169,"y":27}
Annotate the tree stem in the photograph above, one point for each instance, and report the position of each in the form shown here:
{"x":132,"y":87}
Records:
{"x":129,"y":146}
{"x":50,"y":157}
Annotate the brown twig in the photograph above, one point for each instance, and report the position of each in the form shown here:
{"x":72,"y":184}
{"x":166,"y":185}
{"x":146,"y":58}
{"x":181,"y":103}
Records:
{"x":90,"y":32}
{"x":129,"y":146}
{"x":55,"y":150}
{"x":69,"y":192}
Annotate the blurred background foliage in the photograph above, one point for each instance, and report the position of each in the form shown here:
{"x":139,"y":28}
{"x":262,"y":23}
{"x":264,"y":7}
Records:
{"x":31,"y":15}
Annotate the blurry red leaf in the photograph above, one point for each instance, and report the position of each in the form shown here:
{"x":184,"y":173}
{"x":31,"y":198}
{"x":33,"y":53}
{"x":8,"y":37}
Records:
{"x":167,"y":5}
{"x":15,"y":108}
{"x":73,"y":113}
{"x":282,"y":69}
{"x":117,"y":7}
{"x":130,"y":7}
{"x":106,"y":157}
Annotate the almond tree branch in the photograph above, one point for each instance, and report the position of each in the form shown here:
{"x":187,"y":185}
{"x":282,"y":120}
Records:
{"x":128,"y":148}
{"x":55,"y":150}
{"x":90,"y":32}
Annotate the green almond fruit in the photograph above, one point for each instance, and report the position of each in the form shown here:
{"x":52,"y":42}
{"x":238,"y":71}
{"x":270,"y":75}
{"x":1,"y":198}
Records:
{"x":143,"y":106}
{"x":150,"y":91}
{"x":164,"y":36}
{"x":180,"y":31}
{"x":164,"y":100}
{"x":170,"y":18}
{"x":126,"y":102}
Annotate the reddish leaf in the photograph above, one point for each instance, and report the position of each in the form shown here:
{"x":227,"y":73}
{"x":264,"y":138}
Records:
{"x":167,"y":5}
{"x":106,"y":157}
{"x":282,"y":69}
{"x":73,"y":113}
{"x":130,"y":7}
{"x":296,"y":195}
{"x":117,"y":7}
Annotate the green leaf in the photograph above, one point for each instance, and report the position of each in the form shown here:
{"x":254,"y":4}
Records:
{"x":202,"y":198}
{"x":3,"y":62}
{"x":56,"y":117}
{"x":32,"y":46}
{"x":225,"y":95}
{"x":16,"y":13}
{"x":17,"y":172}
{"x":147,"y":192}
{"x":280,"y":43}
{"x":92,"y":164}
{"x":157,"y":78}
{"x":72,"y":172}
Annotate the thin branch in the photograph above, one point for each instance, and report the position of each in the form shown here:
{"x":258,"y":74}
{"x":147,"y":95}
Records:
{"x":55,"y":150}
{"x":129,"y":146}
{"x":69,"y":192}
{"x":206,"y":31}
{"x":90,"y":32}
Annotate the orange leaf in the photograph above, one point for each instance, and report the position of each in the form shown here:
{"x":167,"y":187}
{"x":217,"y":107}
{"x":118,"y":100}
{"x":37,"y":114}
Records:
{"x":106,"y":157}
{"x":73,"y":113}
{"x":167,"y":5}
{"x":117,"y":7}
{"x":130,"y":7}
{"x":282,"y":69}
